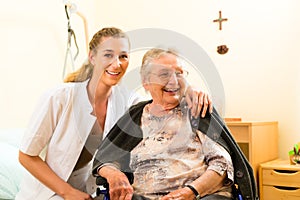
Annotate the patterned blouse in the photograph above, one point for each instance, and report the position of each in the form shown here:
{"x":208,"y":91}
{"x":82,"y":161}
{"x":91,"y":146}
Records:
{"x":172,"y":155}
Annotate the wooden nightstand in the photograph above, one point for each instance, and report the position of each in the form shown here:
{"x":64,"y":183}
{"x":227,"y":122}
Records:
{"x":279,"y":180}
{"x":258,"y":141}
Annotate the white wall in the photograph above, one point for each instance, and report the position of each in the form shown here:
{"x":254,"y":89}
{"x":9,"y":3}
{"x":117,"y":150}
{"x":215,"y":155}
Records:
{"x":33,"y":45}
{"x":260,"y":73}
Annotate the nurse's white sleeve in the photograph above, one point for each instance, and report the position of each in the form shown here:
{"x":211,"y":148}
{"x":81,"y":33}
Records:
{"x":42,"y":123}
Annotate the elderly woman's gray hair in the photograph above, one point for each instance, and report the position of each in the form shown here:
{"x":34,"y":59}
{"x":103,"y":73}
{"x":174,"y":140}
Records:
{"x":151,"y":55}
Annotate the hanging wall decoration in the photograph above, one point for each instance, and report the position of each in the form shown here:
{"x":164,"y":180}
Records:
{"x":221,"y":49}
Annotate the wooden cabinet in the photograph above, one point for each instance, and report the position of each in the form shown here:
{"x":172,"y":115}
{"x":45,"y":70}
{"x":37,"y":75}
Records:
{"x":278,"y":180}
{"x":258,"y":141}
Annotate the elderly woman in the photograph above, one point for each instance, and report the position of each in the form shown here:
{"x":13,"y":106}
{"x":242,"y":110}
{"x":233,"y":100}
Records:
{"x":171,"y":154}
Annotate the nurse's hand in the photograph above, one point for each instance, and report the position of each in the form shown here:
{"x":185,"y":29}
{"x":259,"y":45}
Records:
{"x":197,"y":100}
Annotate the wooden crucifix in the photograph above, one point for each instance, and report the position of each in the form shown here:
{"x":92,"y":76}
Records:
{"x":220,"y":20}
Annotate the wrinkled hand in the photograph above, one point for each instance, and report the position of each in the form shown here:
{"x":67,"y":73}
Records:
{"x":180,"y":194}
{"x":198,"y":100}
{"x":119,"y":186}
{"x":75,"y":194}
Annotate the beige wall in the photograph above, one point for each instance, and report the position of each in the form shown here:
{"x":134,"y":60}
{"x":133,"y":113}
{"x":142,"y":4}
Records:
{"x":260,"y":73}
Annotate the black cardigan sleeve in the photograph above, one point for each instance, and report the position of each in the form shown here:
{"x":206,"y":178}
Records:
{"x":214,"y":127}
{"x":121,"y":139}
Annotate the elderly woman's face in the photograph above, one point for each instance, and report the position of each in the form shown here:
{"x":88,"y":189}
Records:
{"x":166,"y":82}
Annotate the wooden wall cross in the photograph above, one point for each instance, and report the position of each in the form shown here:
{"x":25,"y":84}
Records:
{"x":220,"y":20}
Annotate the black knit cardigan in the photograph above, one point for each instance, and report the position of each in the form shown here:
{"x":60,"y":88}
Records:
{"x":126,"y":134}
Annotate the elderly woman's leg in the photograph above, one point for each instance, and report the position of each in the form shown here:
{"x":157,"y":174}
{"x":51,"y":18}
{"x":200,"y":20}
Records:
{"x":215,"y":197}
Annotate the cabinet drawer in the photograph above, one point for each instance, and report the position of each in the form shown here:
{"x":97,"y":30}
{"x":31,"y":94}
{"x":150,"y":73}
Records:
{"x":290,"y":178}
{"x":280,"y":193}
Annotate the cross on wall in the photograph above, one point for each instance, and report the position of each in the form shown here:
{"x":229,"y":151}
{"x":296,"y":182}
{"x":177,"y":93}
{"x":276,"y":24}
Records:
{"x":220,"y":20}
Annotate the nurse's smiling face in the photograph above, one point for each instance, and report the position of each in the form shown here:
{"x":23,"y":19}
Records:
{"x":110,"y":60}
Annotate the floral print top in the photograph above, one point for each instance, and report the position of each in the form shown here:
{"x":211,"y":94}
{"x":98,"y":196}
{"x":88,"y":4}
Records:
{"x":172,"y":155}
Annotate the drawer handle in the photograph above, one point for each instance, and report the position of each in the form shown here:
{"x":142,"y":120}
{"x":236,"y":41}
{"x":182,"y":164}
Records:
{"x":285,"y":171}
{"x":286,"y":188}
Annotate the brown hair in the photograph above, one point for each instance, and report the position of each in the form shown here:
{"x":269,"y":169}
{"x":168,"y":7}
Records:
{"x":86,"y":70}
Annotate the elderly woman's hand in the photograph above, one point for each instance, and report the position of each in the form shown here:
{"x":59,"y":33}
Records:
{"x":180,"y":194}
{"x":198,"y":100}
{"x":119,"y":186}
